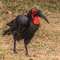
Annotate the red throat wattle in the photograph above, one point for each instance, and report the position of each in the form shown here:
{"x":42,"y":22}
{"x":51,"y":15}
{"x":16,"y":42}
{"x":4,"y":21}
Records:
{"x":35,"y":19}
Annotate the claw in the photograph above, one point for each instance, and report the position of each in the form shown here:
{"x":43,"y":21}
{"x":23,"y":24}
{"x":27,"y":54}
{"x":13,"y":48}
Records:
{"x":15,"y":52}
{"x":27,"y":55}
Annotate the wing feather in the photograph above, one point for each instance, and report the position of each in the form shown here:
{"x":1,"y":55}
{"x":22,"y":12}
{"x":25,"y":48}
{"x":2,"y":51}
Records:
{"x":19,"y":24}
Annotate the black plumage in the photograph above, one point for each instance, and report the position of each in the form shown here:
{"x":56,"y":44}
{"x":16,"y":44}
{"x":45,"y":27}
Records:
{"x":24,"y":27}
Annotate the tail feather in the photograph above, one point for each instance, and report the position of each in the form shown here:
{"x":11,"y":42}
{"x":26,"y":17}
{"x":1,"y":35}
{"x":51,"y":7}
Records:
{"x":10,"y":23}
{"x":6,"y":32}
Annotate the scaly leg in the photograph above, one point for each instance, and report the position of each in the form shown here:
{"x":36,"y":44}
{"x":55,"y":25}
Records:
{"x":15,"y":47}
{"x":26,"y":42}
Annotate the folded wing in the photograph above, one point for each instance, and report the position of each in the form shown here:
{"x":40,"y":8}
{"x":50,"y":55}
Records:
{"x":19,"y":24}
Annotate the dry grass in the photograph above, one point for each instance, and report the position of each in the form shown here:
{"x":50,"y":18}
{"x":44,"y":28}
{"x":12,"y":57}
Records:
{"x":46,"y":43}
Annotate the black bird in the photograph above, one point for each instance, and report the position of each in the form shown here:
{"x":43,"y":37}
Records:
{"x":25,"y":26}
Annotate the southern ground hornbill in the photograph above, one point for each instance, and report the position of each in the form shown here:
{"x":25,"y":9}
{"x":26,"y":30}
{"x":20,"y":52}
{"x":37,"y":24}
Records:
{"x":25,"y":26}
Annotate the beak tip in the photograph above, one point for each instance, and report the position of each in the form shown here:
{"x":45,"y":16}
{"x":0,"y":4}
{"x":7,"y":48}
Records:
{"x":48,"y":22}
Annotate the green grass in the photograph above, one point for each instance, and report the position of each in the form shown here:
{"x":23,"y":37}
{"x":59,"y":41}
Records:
{"x":51,"y":5}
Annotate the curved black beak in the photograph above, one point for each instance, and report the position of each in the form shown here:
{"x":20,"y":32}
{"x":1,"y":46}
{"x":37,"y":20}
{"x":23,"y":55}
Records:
{"x":42,"y":16}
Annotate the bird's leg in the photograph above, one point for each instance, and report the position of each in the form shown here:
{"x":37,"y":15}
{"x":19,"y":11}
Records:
{"x":15,"y":47}
{"x":26,"y":42}
{"x":26,"y":49}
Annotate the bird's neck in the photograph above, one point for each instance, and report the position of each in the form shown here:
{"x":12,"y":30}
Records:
{"x":35,"y":19}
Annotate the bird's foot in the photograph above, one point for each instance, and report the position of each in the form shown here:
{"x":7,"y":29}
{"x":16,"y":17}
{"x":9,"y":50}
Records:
{"x":27,"y":55}
{"x":15,"y":52}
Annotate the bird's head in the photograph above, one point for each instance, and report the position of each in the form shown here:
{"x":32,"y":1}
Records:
{"x":35,"y":13}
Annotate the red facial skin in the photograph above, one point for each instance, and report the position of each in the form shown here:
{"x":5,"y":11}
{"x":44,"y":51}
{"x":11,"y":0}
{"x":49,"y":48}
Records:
{"x":35,"y":18}
{"x":34,"y":11}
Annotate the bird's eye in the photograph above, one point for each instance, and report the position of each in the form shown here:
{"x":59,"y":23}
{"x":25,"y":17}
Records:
{"x":34,"y":11}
